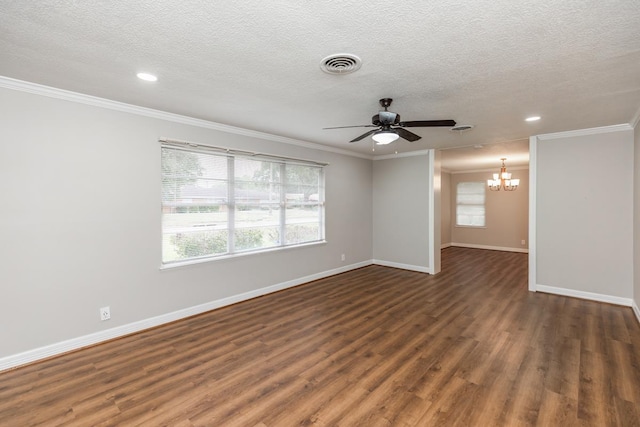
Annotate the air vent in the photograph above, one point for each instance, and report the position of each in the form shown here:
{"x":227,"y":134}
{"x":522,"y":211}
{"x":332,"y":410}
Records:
{"x":461,"y":128}
{"x":340,"y":63}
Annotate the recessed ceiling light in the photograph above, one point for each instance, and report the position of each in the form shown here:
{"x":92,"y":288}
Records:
{"x":147,"y":77}
{"x":532,"y":119}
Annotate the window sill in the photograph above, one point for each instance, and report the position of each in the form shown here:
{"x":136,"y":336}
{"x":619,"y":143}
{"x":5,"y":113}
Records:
{"x":185,"y":263}
{"x":470,"y":226}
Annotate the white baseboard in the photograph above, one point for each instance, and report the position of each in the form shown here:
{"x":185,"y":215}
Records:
{"x":636,"y":310}
{"x":45,"y":352}
{"x":445,"y":245}
{"x":417,"y":268}
{"x":627,"y":302}
{"x":491,"y":248}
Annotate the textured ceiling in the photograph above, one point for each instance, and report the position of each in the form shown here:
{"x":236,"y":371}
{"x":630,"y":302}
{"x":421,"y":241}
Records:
{"x":255,"y":64}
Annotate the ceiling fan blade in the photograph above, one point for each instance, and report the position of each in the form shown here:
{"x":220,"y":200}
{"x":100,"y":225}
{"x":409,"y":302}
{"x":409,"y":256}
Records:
{"x":363,"y":136}
{"x":409,"y":136}
{"x":427,"y":123}
{"x":356,"y":126}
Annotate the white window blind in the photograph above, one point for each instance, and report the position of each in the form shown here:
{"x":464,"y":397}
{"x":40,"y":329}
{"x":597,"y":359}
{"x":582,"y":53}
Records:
{"x":470,"y":207}
{"x":220,"y":204}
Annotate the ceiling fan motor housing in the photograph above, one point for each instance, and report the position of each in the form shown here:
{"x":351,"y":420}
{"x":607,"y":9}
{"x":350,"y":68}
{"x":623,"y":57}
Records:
{"x":385,"y":118}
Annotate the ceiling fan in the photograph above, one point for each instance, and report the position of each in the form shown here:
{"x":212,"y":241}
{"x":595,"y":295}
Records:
{"x":390,"y":127}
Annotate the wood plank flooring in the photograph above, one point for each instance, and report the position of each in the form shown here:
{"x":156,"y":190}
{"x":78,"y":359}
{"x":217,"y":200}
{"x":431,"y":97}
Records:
{"x":372,"y":347}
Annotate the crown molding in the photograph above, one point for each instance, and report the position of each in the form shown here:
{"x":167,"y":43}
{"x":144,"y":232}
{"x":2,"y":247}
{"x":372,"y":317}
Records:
{"x":585,"y":132}
{"x":66,"y":95}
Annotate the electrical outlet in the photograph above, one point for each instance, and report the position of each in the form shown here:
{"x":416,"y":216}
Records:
{"x":105,"y":313}
{"x":523,"y":242}
{"x":343,"y":257}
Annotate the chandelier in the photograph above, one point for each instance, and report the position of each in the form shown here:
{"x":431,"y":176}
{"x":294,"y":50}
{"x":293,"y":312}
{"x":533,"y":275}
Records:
{"x":503,"y":180}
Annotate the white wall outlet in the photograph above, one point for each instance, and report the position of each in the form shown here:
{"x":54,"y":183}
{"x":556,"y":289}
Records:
{"x":523,"y":242}
{"x":342,"y":257}
{"x":105,"y":313}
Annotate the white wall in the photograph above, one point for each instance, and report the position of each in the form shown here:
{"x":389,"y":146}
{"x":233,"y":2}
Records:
{"x":507,"y":214}
{"x":401,"y":212}
{"x":80,"y":222}
{"x":445,"y":219}
{"x":434,"y":192}
{"x":584,"y":214}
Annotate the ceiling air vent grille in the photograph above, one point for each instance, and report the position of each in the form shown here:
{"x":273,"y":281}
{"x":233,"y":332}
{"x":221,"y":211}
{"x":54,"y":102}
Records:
{"x":461,"y":128}
{"x":340,"y":63}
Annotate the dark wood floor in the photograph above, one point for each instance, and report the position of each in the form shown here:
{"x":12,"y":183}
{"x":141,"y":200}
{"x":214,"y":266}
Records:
{"x":372,"y":347}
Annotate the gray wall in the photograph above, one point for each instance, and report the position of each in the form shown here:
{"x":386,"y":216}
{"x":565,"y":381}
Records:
{"x":80,"y":221}
{"x":636,"y":220}
{"x":585,"y":213}
{"x":401,"y":211}
{"x":507,"y":214}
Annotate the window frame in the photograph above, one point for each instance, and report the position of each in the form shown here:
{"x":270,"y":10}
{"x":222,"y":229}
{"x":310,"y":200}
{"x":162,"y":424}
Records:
{"x":232,"y":205}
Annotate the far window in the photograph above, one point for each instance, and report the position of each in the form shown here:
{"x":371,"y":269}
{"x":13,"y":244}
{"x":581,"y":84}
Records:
{"x":470,"y":204}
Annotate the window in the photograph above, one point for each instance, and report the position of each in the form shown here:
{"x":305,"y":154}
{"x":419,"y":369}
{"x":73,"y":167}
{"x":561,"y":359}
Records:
{"x":470,"y":204}
{"x":219,"y":203}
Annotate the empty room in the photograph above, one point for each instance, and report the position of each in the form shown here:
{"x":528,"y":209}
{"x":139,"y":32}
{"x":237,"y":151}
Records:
{"x":325,"y":214}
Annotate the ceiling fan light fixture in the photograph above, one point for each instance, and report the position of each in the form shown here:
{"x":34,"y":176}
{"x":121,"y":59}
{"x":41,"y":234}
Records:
{"x":384,"y":137}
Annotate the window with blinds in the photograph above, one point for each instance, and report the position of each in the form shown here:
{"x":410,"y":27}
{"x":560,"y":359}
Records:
{"x":470,"y":208}
{"x":220,"y":204}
